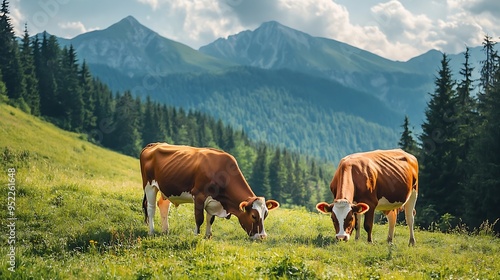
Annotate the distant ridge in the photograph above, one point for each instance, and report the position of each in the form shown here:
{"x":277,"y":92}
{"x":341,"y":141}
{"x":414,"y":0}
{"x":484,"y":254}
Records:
{"x":401,"y":85}
{"x":133,"y":49}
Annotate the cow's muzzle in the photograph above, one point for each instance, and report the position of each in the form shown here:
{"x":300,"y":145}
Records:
{"x":343,"y":237}
{"x":258,"y":236}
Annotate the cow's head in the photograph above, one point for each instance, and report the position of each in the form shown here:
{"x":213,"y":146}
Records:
{"x":342,"y":212}
{"x":253,"y":213}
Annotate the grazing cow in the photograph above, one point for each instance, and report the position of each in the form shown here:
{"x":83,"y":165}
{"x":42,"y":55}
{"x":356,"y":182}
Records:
{"x":209,"y":178}
{"x":385,"y":180}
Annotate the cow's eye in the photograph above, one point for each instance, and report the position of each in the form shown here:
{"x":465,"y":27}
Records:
{"x":254,"y":217}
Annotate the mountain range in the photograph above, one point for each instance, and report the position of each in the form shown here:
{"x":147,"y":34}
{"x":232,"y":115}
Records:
{"x":314,"y":95}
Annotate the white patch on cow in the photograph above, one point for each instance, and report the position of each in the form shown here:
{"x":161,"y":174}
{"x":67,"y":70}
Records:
{"x":341,"y":209}
{"x":151,"y":190}
{"x":260,"y":206}
{"x":184,"y":197}
{"x":214,"y":208}
{"x":208,"y":229}
{"x":385,"y":205}
{"x":409,"y":208}
{"x":155,"y":184}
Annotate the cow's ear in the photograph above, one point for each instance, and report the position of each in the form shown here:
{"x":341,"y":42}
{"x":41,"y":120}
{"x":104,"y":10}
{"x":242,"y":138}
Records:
{"x":243,"y":205}
{"x":360,"y":208}
{"x":272,"y":204}
{"x":324,"y":207}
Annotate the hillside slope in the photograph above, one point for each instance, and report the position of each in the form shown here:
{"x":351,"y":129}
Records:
{"x":46,"y":149}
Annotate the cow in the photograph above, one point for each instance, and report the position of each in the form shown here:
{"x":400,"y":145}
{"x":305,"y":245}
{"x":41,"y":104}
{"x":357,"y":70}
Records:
{"x":209,"y":178}
{"x":385,"y":180}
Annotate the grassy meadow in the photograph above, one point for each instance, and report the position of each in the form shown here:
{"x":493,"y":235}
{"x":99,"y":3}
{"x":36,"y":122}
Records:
{"x":78,"y":215}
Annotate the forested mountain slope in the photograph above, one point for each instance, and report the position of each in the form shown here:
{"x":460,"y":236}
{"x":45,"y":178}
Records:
{"x":315,"y":116}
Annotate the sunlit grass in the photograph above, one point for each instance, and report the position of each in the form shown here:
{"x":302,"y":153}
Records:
{"x":79,"y":216}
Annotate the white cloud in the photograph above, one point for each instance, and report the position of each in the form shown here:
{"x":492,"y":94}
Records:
{"x":393,"y":29}
{"x":18,"y":21}
{"x":153,"y":3}
{"x":390,"y":33}
{"x":73,"y":28}
{"x":198,"y":22}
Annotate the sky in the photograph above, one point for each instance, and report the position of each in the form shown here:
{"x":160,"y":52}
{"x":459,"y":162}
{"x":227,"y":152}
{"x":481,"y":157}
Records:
{"x":397,"y":30}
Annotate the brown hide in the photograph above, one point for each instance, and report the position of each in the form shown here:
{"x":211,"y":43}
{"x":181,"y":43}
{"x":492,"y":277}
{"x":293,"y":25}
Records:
{"x":367,"y":177}
{"x":205,"y":171}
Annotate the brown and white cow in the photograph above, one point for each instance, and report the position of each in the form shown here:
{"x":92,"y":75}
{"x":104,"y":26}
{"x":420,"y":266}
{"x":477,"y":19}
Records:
{"x":385,"y":180}
{"x":209,"y":178}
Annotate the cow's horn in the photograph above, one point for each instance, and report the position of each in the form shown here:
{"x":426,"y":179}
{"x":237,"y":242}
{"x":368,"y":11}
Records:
{"x":243,"y":205}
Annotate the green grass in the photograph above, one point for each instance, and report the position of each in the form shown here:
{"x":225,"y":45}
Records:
{"x":78,"y":210}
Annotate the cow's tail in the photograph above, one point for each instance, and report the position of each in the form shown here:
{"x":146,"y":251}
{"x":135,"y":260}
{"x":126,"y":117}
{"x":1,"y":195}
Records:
{"x":145,"y":208}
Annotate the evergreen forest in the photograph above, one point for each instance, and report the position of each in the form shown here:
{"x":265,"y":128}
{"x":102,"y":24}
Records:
{"x":458,"y":149}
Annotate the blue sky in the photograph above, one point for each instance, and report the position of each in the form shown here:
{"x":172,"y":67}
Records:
{"x":397,"y":30}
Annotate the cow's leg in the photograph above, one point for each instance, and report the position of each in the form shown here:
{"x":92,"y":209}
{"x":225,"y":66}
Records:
{"x":164,"y":205}
{"x":357,"y":225}
{"x":198,"y":214}
{"x":391,"y":218}
{"x":151,"y":192}
{"x":208,"y":230}
{"x":409,"y":215}
{"x":368,"y":223}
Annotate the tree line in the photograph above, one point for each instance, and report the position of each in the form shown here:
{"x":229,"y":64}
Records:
{"x":459,"y":147}
{"x":45,"y":80}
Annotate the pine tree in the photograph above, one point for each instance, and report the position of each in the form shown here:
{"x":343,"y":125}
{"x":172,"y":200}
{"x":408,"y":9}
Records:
{"x":47,"y":67}
{"x":86,"y":86}
{"x":10,"y":63}
{"x":69,"y":91}
{"x":277,"y":176}
{"x":297,"y":187}
{"x":484,"y":183}
{"x":466,"y":121}
{"x":406,"y":142}
{"x":126,"y":136}
{"x":32,"y":97}
{"x":489,"y":65}
{"x":6,"y":37}
{"x":180,"y":133}
{"x":205,"y":133}
{"x":166,"y":116}
{"x":288,"y":176}
{"x":164,"y":123}
{"x":439,"y":133}
{"x":149,"y":125}
{"x":104,"y":114}
{"x":259,"y":181}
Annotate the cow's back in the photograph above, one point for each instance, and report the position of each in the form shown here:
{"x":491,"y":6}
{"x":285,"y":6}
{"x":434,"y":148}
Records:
{"x":172,"y":167}
{"x":376,"y":174}
{"x":177,"y":169}
{"x":396,"y":174}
